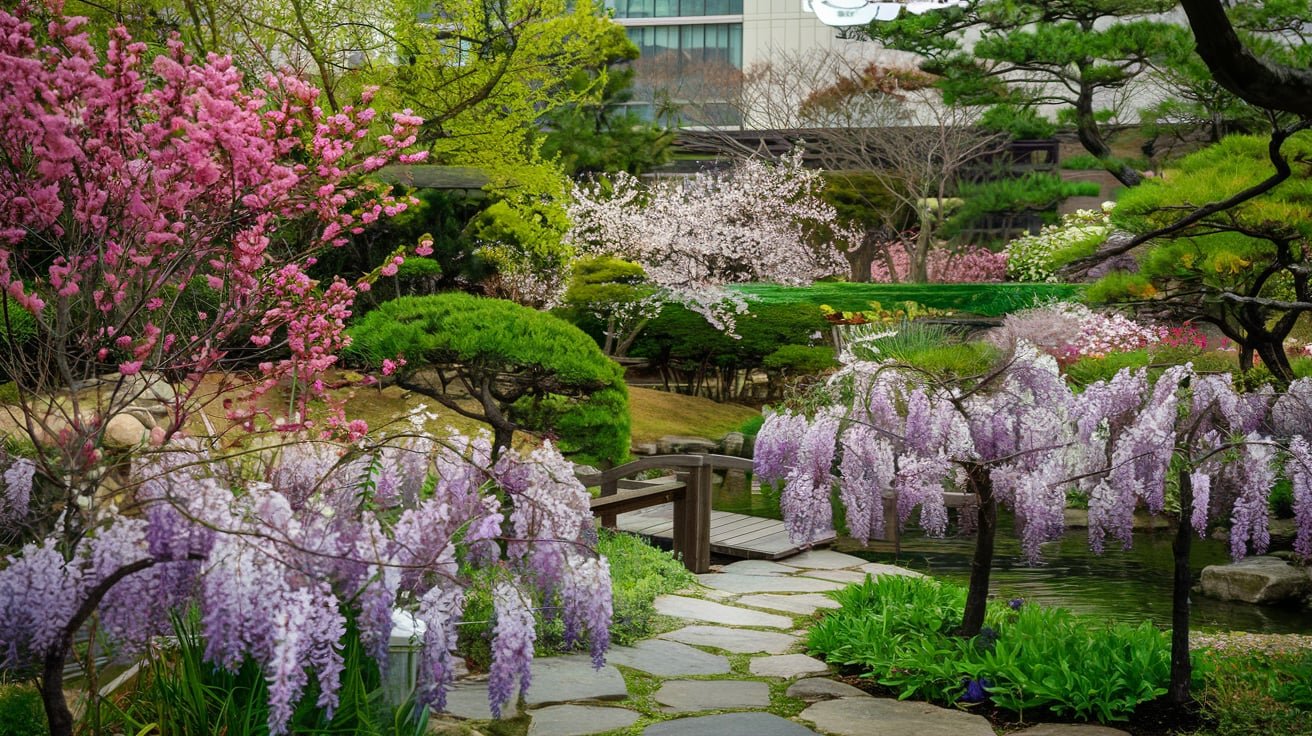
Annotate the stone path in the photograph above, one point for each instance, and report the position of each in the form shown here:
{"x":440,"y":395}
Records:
{"x":731,"y":670}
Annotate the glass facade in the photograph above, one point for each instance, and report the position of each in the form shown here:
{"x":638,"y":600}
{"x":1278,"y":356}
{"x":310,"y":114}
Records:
{"x":674,"y":8}
{"x":693,"y":46}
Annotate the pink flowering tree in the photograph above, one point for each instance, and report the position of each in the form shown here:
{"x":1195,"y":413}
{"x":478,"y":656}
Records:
{"x":1020,"y":438}
{"x":132,"y":191}
{"x":966,"y":264}
{"x":692,"y":237}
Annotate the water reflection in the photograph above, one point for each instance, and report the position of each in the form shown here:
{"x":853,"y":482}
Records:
{"x":1128,"y":586}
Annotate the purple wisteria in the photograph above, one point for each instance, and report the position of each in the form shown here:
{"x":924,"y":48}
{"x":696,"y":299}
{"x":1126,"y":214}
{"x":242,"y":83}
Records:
{"x":277,"y":548}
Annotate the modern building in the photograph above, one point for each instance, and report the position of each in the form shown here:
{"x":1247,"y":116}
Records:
{"x":697,"y":50}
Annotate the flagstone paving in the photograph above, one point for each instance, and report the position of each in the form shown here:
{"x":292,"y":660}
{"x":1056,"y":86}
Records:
{"x":679,"y":683}
{"x":739,"y":641}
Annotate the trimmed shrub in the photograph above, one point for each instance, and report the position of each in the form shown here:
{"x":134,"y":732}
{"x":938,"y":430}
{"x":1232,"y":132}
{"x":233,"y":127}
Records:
{"x":538,"y":370}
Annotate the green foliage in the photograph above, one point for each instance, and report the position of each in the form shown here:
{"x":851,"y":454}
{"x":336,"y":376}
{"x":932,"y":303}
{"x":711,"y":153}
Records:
{"x":1020,"y":123}
{"x":178,"y":692}
{"x":1089,"y":370}
{"x":639,"y":573}
{"x":879,"y":314}
{"x":1118,"y":286}
{"x":1067,"y":52}
{"x":801,"y":359}
{"x":1251,"y":252}
{"x":897,"y":631}
{"x":1033,"y":192}
{"x":752,"y":427}
{"x":9,"y":393}
{"x":679,"y":334}
{"x":1248,"y":693}
{"x":992,"y":300}
{"x":570,"y":385}
{"x":21,"y":711}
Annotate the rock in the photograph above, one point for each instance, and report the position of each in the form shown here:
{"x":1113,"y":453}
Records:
{"x":731,"y":583}
{"x":570,"y":678}
{"x":161,"y":389}
{"x":124,"y":430}
{"x":438,"y":726}
{"x":141,"y":415}
{"x":735,"y":481}
{"x":1256,"y":580}
{"x":786,"y":666}
{"x":738,"y":641}
{"x":846,"y":577}
{"x":732,"y":444}
{"x":757,"y":567}
{"x":578,"y":720}
{"x":644,"y":448}
{"x":876,"y":569}
{"x":1076,"y":518}
{"x":675,"y":445}
{"x":729,"y":724}
{"x":823,"y":559}
{"x":813,"y":689}
{"x":804,"y":604}
{"x":690,"y":695}
{"x":468,"y":699}
{"x":667,"y":658}
{"x":1070,"y":729}
{"x":855,"y":716}
{"x":717,"y":613}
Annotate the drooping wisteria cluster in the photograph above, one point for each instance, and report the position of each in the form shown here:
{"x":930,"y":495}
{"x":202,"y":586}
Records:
{"x":758,"y":222}
{"x":275,"y":550}
{"x":1032,"y":439}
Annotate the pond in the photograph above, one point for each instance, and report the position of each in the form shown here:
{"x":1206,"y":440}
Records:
{"x":1128,"y":586}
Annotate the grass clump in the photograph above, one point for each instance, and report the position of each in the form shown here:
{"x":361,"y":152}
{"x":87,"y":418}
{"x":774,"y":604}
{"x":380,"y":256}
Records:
{"x":1255,"y":693}
{"x":898,"y":632}
{"x":21,"y":712}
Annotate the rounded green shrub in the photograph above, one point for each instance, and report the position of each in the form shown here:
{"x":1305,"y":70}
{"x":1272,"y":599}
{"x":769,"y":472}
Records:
{"x":541,"y":371}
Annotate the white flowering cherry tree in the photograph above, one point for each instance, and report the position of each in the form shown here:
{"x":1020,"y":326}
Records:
{"x":1019,"y":437}
{"x":760,"y":221}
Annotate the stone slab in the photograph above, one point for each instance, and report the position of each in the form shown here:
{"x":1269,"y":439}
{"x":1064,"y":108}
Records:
{"x":758,"y":567}
{"x":729,"y":724}
{"x":572,"y":678}
{"x":823,"y":559}
{"x":878,"y":568}
{"x":1070,"y":729}
{"x":803,"y":604}
{"x":680,"y":696}
{"x":854,"y":717}
{"x":739,"y":641}
{"x":468,"y":699}
{"x":813,"y":689}
{"x":786,"y":666}
{"x":732,"y":583}
{"x":578,"y":720}
{"x":668,"y":658}
{"x":846,"y":577}
{"x":717,"y":613}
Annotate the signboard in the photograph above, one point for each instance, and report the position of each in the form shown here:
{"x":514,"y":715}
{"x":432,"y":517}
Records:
{"x":860,"y":12}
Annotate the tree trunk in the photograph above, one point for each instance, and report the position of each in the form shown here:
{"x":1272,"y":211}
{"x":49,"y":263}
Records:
{"x":1273,"y":356}
{"x":1177,"y":692}
{"x":1086,"y":126}
{"x":58,"y":716}
{"x":981,"y":564}
{"x":918,"y":269}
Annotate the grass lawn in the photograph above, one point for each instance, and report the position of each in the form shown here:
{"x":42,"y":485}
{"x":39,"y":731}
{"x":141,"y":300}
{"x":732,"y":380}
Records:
{"x":990,"y":300}
{"x":658,"y":413}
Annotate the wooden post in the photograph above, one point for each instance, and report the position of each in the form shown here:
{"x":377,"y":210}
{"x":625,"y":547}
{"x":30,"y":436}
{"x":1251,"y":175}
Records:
{"x":696,"y":519}
{"x":609,"y":488}
{"x":680,"y":530}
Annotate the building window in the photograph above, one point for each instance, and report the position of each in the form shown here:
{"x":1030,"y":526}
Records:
{"x":674,"y":8}
{"x":691,"y":47}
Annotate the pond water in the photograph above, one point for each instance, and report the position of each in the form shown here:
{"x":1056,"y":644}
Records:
{"x":1128,"y":586}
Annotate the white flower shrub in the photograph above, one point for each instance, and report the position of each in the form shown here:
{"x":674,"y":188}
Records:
{"x":1034,"y":257}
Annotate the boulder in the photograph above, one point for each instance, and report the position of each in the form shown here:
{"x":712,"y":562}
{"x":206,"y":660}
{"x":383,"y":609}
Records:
{"x":125,"y":430}
{"x":1261,"y":579}
{"x":675,"y":445}
{"x":732,"y":444}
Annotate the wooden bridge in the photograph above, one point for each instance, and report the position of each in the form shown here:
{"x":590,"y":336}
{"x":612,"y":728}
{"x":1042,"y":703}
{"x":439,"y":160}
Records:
{"x":678,"y":508}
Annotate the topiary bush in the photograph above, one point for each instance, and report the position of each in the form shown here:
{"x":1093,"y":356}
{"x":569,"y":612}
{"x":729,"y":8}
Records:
{"x":526,"y":369}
